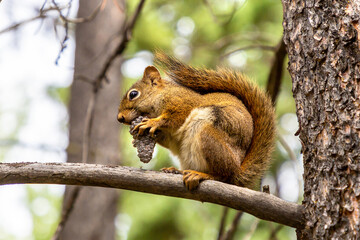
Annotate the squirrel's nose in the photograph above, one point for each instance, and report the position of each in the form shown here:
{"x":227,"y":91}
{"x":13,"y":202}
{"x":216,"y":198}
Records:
{"x":121,"y":118}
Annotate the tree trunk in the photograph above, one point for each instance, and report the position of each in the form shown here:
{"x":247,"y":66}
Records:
{"x":95,"y":208}
{"x":322,"y":39}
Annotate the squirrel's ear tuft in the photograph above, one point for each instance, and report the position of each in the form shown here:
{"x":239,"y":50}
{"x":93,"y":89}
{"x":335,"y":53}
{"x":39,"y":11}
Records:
{"x":152,"y":74}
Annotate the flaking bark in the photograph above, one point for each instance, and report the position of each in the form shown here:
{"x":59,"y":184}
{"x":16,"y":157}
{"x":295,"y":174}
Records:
{"x":322,"y":39}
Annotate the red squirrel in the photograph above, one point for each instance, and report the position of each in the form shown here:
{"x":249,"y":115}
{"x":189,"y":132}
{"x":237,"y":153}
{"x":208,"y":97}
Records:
{"x":218,"y":123}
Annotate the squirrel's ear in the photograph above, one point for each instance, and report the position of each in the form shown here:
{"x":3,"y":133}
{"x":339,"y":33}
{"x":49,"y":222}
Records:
{"x":152,"y":74}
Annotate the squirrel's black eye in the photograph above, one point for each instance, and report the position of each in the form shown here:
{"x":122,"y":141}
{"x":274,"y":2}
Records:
{"x":133,"y":94}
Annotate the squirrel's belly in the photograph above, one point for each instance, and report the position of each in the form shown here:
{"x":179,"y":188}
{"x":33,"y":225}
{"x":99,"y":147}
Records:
{"x":189,"y":136}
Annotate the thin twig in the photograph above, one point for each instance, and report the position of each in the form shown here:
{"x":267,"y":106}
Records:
{"x":92,"y":15}
{"x":222,"y":222}
{"x":264,"y":47}
{"x":43,"y":5}
{"x":66,"y":19}
{"x":292,"y":156}
{"x":102,"y":52}
{"x":207,"y":4}
{"x":233,"y":11}
{"x":67,"y":209}
{"x":87,"y":128}
{"x":126,"y":36}
{"x":66,"y":27}
{"x":252,"y":230}
{"x":229,"y":39}
{"x":116,"y":3}
{"x":275,"y":75}
{"x":84,"y":79}
{"x":215,"y":17}
{"x":231,"y":232}
{"x":42,"y":14}
{"x":15,"y":26}
{"x":288,"y":149}
{"x":274,"y":231}
{"x":266,"y":189}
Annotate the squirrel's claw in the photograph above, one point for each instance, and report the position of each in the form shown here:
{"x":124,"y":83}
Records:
{"x":193,"y":178}
{"x":153,"y":124}
{"x":137,"y":128}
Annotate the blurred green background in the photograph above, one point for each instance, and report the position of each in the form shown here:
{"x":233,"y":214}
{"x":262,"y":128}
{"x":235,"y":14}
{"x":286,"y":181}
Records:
{"x":202,"y":33}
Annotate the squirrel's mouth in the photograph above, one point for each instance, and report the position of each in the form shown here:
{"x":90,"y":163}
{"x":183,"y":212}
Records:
{"x":126,"y":116}
{"x":121,"y":119}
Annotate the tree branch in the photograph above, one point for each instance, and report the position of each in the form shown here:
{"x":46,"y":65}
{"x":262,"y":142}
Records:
{"x":222,"y":223}
{"x":229,"y":235}
{"x":264,"y":47}
{"x":261,"y":205}
{"x":126,"y":36}
{"x":42,"y":15}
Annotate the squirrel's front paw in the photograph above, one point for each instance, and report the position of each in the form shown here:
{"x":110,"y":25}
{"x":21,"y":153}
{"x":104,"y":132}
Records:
{"x":153,"y":124}
{"x":193,"y":178}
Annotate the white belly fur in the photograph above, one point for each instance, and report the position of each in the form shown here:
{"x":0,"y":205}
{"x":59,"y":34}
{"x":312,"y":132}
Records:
{"x":190,"y":154}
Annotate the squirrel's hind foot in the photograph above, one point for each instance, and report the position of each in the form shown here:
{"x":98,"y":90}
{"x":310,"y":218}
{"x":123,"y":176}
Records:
{"x":193,"y":178}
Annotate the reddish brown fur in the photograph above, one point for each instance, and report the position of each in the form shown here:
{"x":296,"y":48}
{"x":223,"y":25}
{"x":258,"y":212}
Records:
{"x":257,"y":102}
{"x":220,"y":125}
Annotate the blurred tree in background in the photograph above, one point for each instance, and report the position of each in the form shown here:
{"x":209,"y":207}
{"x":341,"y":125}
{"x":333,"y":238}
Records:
{"x":94,"y":209}
{"x":238,"y":34}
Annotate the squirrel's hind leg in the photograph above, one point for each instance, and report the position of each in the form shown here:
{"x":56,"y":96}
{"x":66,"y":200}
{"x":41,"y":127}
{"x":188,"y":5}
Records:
{"x":212,"y":145}
{"x":223,"y":158}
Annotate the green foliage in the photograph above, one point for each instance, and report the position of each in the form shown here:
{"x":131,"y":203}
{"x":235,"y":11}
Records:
{"x":160,"y":217}
{"x":45,"y":207}
{"x":61,"y":94}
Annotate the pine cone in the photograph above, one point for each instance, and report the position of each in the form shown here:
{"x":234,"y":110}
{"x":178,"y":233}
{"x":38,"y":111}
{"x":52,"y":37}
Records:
{"x":145,"y":144}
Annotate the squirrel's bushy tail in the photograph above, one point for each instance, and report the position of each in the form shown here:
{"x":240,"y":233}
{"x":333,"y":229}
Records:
{"x":258,"y":103}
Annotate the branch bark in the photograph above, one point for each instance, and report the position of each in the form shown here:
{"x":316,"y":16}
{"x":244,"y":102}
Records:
{"x":261,"y":205}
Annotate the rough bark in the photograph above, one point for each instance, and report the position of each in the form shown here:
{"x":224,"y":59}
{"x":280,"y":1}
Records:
{"x":262,"y":205}
{"x":95,"y":208}
{"x":322,"y":39}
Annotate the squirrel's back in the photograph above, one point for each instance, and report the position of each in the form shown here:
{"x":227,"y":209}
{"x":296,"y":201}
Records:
{"x":257,"y":102}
